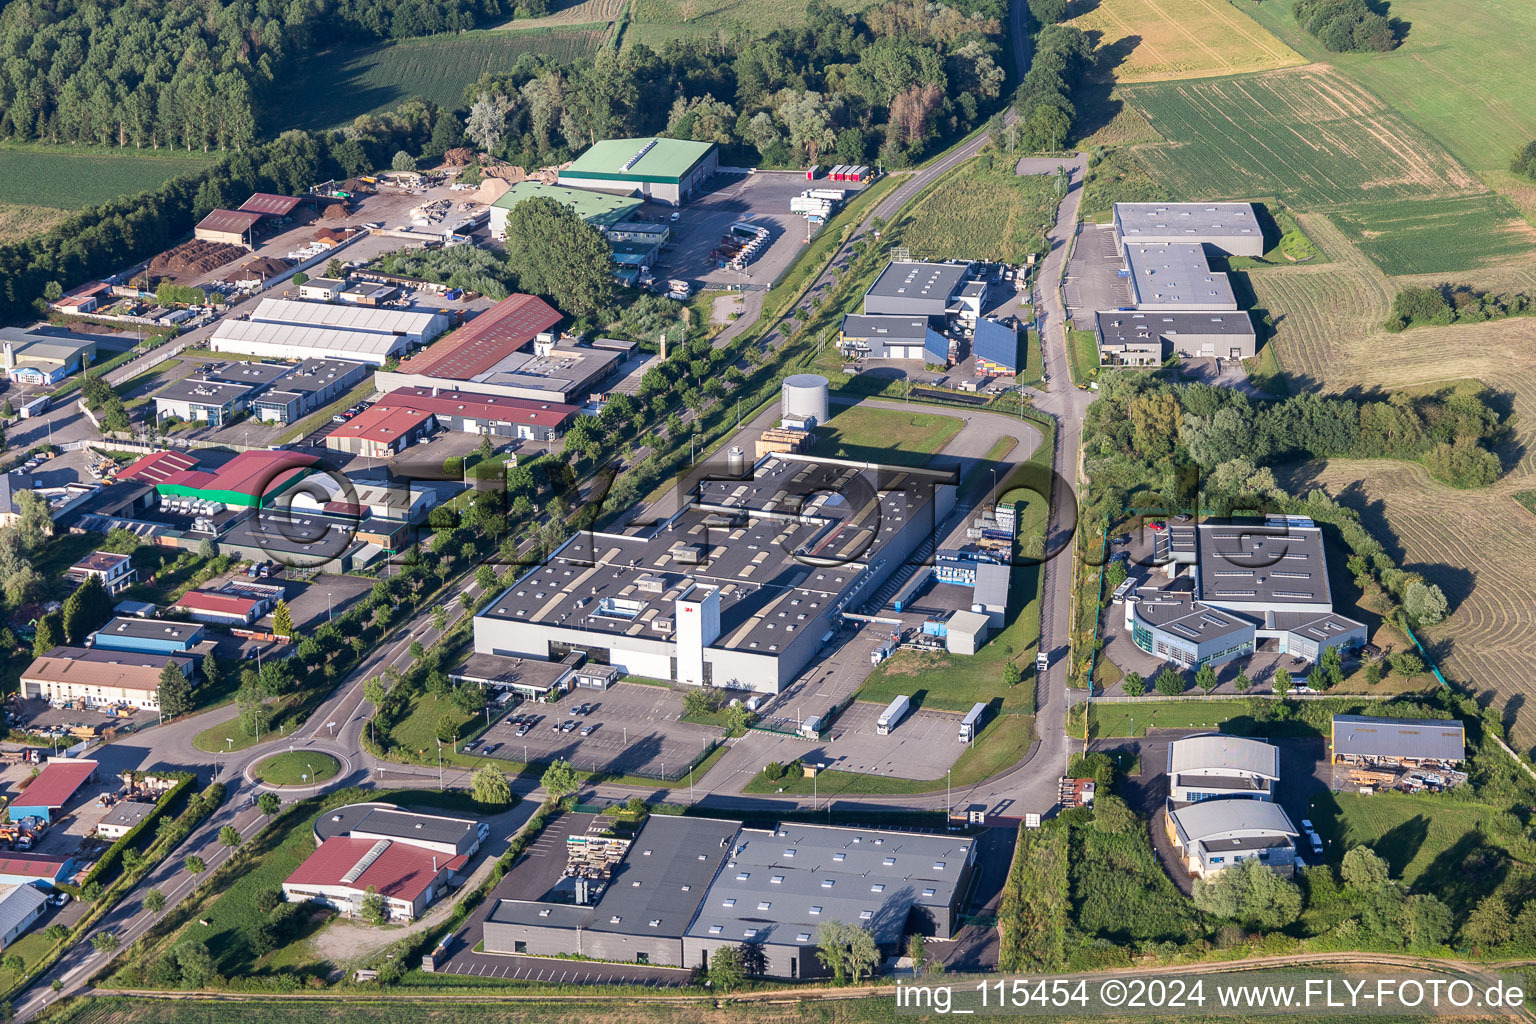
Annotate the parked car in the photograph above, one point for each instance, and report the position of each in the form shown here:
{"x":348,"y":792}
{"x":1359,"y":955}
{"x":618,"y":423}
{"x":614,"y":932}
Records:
{"x":589,"y":729}
{"x":569,"y":725}
{"x":1306,"y":825}
{"x":1124,"y":538}
{"x":1157,"y":527}
{"x":522,"y":730}
{"x":1182,"y":517}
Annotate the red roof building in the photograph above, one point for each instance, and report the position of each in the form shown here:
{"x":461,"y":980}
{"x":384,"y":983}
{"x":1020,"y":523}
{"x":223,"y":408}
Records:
{"x":250,"y":479}
{"x":240,"y":604}
{"x":268,"y":205}
{"x":52,"y":788}
{"x":486,"y":340}
{"x":29,"y":867}
{"x":342,"y":870}
{"x":490,"y":414}
{"x":380,"y":431}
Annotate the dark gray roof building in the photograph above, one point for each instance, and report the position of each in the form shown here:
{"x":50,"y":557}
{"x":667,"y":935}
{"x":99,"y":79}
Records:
{"x":1231,"y":227}
{"x":927,"y":289}
{"x":1358,"y":737}
{"x":1176,"y":276}
{"x":1146,"y":338}
{"x":449,"y":836}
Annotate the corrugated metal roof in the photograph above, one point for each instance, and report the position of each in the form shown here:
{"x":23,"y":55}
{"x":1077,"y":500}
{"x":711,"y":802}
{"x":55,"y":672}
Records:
{"x":381,"y":423}
{"x":1211,"y":819}
{"x":270,"y":205}
{"x":264,"y":338}
{"x":235,"y":221}
{"x":19,"y":905}
{"x":348,"y":318}
{"x":481,"y":407}
{"x":486,"y":340}
{"x":996,"y":343}
{"x":400,"y":871}
{"x":32,"y":865}
{"x":1442,"y":739}
{"x":56,"y":783}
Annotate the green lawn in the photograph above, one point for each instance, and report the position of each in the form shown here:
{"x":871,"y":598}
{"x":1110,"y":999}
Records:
{"x":1116,"y":720}
{"x":1423,"y":836}
{"x":979,"y":213}
{"x":297,"y":768}
{"x":1292,"y":246}
{"x":953,"y":682}
{"x":894,"y":437}
{"x":1083,"y":354}
{"x":1527,"y":500}
{"x":71,"y":177}
{"x":1002,"y":744}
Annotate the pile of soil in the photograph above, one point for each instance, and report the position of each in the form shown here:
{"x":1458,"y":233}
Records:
{"x":459,"y":156}
{"x":196,"y":257}
{"x":336,"y":211}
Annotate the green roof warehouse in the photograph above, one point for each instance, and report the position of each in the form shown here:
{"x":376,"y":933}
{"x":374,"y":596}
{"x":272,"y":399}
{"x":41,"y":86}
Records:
{"x":665,"y":170}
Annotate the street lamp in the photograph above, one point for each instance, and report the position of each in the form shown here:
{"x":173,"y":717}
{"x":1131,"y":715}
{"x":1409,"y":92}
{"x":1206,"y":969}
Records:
{"x":316,"y":790}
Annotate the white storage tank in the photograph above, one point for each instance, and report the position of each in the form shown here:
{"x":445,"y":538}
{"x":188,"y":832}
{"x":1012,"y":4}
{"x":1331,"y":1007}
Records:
{"x":805,"y":397}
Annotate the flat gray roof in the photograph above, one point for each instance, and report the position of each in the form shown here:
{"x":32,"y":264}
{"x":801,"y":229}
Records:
{"x":495,"y":670}
{"x":127,"y":813}
{"x":539,"y":914}
{"x":202,"y":392}
{"x":791,"y":513}
{"x":1442,"y":739}
{"x":917,"y":280}
{"x":1177,"y":274}
{"x":247,"y":372}
{"x":1178,"y":613}
{"x":151,"y":629}
{"x":317,"y":374}
{"x":992,"y":580}
{"x":779,"y":885}
{"x":1195,"y":221}
{"x":664,"y":877}
{"x":889,"y":327}
{"x":392,"y":822}
{"x":1127,"y":327}
{"x":1253,"y":562}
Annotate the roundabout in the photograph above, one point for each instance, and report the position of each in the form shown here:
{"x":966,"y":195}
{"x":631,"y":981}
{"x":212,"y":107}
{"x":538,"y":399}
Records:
{"x":296,"y":768}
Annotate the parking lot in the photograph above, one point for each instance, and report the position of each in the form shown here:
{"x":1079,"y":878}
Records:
{"x":922,"y":746}
{"x":1093,"y":280}
{"x":704,"y":221}
{"x":634,"y":729}
{"x":43,"y":719}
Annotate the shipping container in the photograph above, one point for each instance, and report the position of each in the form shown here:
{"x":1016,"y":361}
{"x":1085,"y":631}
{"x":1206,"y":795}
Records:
{"x":892,"y":715}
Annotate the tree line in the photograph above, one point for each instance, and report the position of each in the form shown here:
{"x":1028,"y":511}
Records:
{"x":890,"y":83}
{"x":191,"y":75}
{"x":1042,"y":104}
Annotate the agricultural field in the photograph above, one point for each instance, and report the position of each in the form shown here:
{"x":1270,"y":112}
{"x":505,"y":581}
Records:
{"x":975,"y":212}
{"x":57,"y":178}
{"x":345,"y":83}
{"x":1319,"y":141}
{"x":1476,"y":544}
{"x":1309,"y":136}
{"x":18,"y":222}
{"x":579,"y":12}
{"x":653,"y":22}
{"x":1164,"y":40}
{"x":1462,"y":75}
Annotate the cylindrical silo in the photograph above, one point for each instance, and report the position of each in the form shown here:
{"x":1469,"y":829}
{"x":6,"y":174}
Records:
{"x":805,"y":397}
{"x":736,"y":462}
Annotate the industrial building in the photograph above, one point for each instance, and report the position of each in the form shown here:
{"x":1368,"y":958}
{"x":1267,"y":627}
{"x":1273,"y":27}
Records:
{"x":53,"y":788}
{"x":740,"y":588}
{"x":115,"y":571}
{"x":1176,"y":276}
{"x":321,"y":289}
{"x":600,"y":209}
{"x":528,"y":678}
{"x":228,"y":227}
{"x":1213,"y":835}
{"x":42,"y":870}
{"x":20,"y":907}
{"x":313,"y":384}
{"x":1179,"y":304}
{"x":122,"y":819}
{"x":146,"y":636}
{"x":663,"y":170}
{"x":1234,"y":583}
{"x":497,"y":416}
{"x":252,"y":479}
{"x":289,"y":329}
{"x":1397,"y":742}
{"x":892,"y":337}
{"x":201,"y":401}
{"x":1219,"y":767}
{"x":687,"y":887}
{"x":1231,"y":227}
{"x":276,"y":207}
{"x":908,"y":288}
{"x":511,"y":352}
{"x":42,"y":359}
{"x":363,"y":849}
{"x":996,"y":347}
{"x":381,"y":431}
{"x":100,"y":678}
{"x":233,"y":604}
{"x":1134,"y":338}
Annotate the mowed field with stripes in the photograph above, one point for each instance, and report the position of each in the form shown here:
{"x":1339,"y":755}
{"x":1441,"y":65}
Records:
{"x":1163,"y":40}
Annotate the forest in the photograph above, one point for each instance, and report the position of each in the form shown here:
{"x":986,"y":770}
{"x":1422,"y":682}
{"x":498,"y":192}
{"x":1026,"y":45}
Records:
{"x":1146,"y":438}
{"x":887,"y":84}
{"x":183,"y":74}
